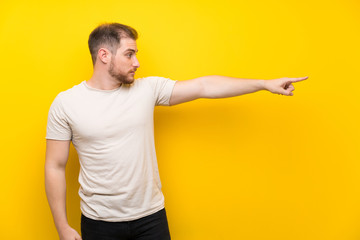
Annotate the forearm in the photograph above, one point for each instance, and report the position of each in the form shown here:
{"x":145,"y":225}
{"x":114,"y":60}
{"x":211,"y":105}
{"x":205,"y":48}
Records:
{"x":55,"y":186}
{"x":215,"y":86}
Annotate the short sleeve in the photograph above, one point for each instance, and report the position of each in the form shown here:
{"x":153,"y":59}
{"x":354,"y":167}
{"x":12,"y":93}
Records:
{"x":57,"y":126}
{"x":162,"y":88}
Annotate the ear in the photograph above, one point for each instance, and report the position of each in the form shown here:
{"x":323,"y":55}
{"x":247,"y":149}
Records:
{"x":104,"y":55}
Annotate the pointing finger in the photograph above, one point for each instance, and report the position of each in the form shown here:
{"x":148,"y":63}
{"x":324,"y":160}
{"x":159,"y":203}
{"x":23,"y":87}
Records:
{"x":298,"y":79}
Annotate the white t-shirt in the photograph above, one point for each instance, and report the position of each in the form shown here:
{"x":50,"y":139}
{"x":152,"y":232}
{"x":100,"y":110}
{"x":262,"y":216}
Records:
{"x":113,"y":134}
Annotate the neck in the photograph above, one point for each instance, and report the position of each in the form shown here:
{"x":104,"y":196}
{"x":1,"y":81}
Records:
{"x":103,"y":81}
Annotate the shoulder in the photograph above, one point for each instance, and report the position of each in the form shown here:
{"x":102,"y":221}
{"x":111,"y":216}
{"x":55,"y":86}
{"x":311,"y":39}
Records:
{"x":154,"y":81}
{"x":72,"y":91}
{"x":68,"y":95}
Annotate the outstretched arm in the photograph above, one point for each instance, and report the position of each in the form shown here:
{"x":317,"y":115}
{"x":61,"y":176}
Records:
{"x":222,"y":87}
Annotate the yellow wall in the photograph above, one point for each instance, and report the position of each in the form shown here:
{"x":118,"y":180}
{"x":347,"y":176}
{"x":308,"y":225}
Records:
{"x":259,"y":166}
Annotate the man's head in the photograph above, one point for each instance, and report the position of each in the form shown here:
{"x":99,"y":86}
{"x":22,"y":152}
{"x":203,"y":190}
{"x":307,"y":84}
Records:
{"x":113,"y":46}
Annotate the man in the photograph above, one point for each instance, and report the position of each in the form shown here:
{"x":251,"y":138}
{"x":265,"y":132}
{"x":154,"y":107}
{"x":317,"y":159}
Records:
{"x":109,"y":119}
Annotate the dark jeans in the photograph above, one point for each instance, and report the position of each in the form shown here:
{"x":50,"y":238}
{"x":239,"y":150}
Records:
{"x":152,"y":227}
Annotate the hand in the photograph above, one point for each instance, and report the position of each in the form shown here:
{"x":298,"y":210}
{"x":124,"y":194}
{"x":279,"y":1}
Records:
{"x":69,"y":234}
{"x":282,"y":85}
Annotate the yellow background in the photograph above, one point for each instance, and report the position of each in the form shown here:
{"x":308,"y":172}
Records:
{"x":258,"y":166}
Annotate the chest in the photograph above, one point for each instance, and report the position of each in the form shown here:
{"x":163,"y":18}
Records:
{"x":109,"y":116}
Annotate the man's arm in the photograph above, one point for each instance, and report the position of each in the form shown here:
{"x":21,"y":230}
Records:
{"x":221,"y":87}
{"x":57,"y":152}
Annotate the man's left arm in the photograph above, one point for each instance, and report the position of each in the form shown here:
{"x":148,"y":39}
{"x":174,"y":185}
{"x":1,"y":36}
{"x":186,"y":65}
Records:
{"x":215,"y":86}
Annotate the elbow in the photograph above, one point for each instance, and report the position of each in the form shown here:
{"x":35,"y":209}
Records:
{"x":53,"y":165}
{"x":203,"y":87}
{"x":209,"y":86}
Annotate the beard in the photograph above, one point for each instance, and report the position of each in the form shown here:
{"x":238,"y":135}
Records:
{"x":122,"y":78}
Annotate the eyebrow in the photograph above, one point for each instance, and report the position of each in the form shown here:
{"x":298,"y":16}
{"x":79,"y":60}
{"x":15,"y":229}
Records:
{"x":131,"y":50}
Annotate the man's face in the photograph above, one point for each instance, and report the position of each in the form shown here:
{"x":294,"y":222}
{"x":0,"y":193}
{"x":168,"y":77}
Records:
{"x":124,"y":64}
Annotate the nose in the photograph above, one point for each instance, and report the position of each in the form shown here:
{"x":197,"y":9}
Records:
{"x":136,"y":62}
